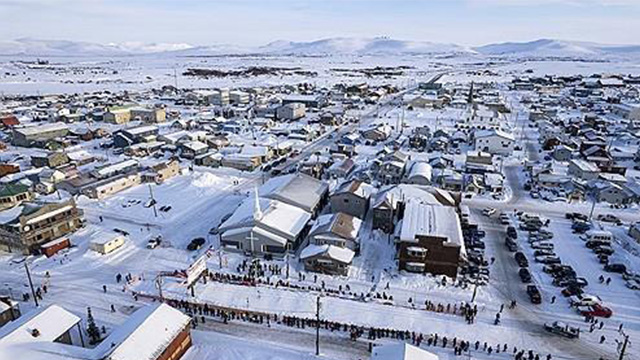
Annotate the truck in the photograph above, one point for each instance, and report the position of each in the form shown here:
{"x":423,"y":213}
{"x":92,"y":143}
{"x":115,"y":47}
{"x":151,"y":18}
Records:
{"x":562,"y":329}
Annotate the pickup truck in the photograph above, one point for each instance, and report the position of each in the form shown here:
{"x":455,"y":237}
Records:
{"x":562,"y":329}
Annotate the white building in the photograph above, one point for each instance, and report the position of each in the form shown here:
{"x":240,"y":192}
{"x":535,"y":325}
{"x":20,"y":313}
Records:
{"x":494,"y":142}
{"x":292,"y":111}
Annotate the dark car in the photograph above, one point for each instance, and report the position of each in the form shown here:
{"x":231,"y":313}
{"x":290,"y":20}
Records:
{"x":572,"y":290}
{"x":606,"y":250}
{"x":511,"y":232}
{"x":196,"y":244}
{"x":615,"y":268}
{"x":521,"y":259}
{"x":120,"y":231}
{"x":511,"y":244}
{"x":603,"y":258}
{"x":580,"y":227}
{"x":534,"y":294}
{"x":525,"y":275}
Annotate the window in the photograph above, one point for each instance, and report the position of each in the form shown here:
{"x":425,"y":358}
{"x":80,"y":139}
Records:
{"x":346,"y":201}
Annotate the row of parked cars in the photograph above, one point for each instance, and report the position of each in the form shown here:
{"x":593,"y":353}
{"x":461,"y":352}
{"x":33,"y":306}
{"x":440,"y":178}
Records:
{"x":511,"y":242}
{"x":477,"y":268}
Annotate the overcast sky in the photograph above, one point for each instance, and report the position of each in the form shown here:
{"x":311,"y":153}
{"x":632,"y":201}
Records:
{"x":255,"y":22}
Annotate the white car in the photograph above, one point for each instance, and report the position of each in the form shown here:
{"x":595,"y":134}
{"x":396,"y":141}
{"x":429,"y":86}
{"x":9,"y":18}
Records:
{"x":585,"y":300}
{"x":633,"y":284}
{"x":543,"y":245}
{"x":154,"y":243}
{"x":488,"y":211}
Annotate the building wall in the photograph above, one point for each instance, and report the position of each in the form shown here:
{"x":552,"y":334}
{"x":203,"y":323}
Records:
{"x":441,"y":258}
{"x":177,"y":347}
{"x":325,"y":266}
{"x":13,"y":200}
{"x":104,"y":190}
{"x":494,"y":145}
{"x":117,"y":117}
{"x":350,"y":204}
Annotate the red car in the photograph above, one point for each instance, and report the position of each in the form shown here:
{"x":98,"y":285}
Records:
{"x":595,"y":310}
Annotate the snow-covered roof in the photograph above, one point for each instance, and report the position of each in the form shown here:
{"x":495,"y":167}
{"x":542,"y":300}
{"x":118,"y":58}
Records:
{"x":420,"y":168}
{"x":298,"y":189}
{"x":401,"y":351}
{"x":35,"y":130}
{"x":195,"y":145}
{"x":342,"y":255}
{"x":340,"y":224}
{"x":356,"y":187}
{"x":494,"y":132}
{"x":11,"y":214}
{"x":141,"y":129}
{"x":431,"y":220}
{"x":50,"y":322}
{"x":117,"y":167}
{"x":145,"y":334}
{"x":584,"y":165}
{"x":276,"y":215}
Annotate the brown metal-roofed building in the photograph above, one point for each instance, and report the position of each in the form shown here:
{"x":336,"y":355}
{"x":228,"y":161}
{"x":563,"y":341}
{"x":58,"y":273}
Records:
{"x":27,"y":227}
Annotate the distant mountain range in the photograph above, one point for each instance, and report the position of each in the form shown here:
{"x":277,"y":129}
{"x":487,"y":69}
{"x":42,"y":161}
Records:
{"x":561,"y":48}
{"x":324,"y":47}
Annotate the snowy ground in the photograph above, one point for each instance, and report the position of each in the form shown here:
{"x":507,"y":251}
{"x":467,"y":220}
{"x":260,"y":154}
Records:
{"x":199,"y":200}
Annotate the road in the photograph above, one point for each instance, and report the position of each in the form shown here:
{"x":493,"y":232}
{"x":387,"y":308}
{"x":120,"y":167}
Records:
{"x":328,"y":138}
{"x":332,"y":345}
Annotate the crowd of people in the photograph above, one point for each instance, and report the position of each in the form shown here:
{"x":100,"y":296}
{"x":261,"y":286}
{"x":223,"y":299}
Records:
{"x":200,"y":312}
{"x":339,"y":291}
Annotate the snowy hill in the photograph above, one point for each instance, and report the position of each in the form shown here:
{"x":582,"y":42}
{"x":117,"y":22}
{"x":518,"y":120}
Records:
{"x":38,"y":47}
{"x":559,"y":48}
{"x":360,"y":46}
{"x":323,"y":47}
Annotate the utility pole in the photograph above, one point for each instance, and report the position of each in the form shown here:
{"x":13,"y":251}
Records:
{"x":624,"y":347}
{"x":159,"y":285}
{"x":593,"y":205}
{"x":33,"y":292}
{"x":153,"y":201}
{"x":318,"y":325}
{"x":475,"y":291}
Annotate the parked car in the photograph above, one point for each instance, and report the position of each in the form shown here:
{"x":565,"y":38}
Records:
{"x":525,"y":275}
{"x":562,"y":329}
{"x":544,"y":252}
{"x":580,"y":227}
{"x":547,"y":259}
{"x":155,"y":242}
{"x":633,"y":284}
{"x":606,"y":250}
{"x":488,"y":211}
{"x":572,"y":290}
{"x":511,"y":244}
{"x":609,"y":218}
{"x":592,"y":244}
{"x":585,"y":300}
{"x":571,"y":281}
{"x":615,"y":268}
{"x":603,"y":259}
{"x":539,"y":245}
{"x":596,"y":310}
{"x":196,"y":244}
{"x":511,"y":232}
{"x":120,"y":231}
{"x":534,"y":294}
{"x":521,"y":259}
